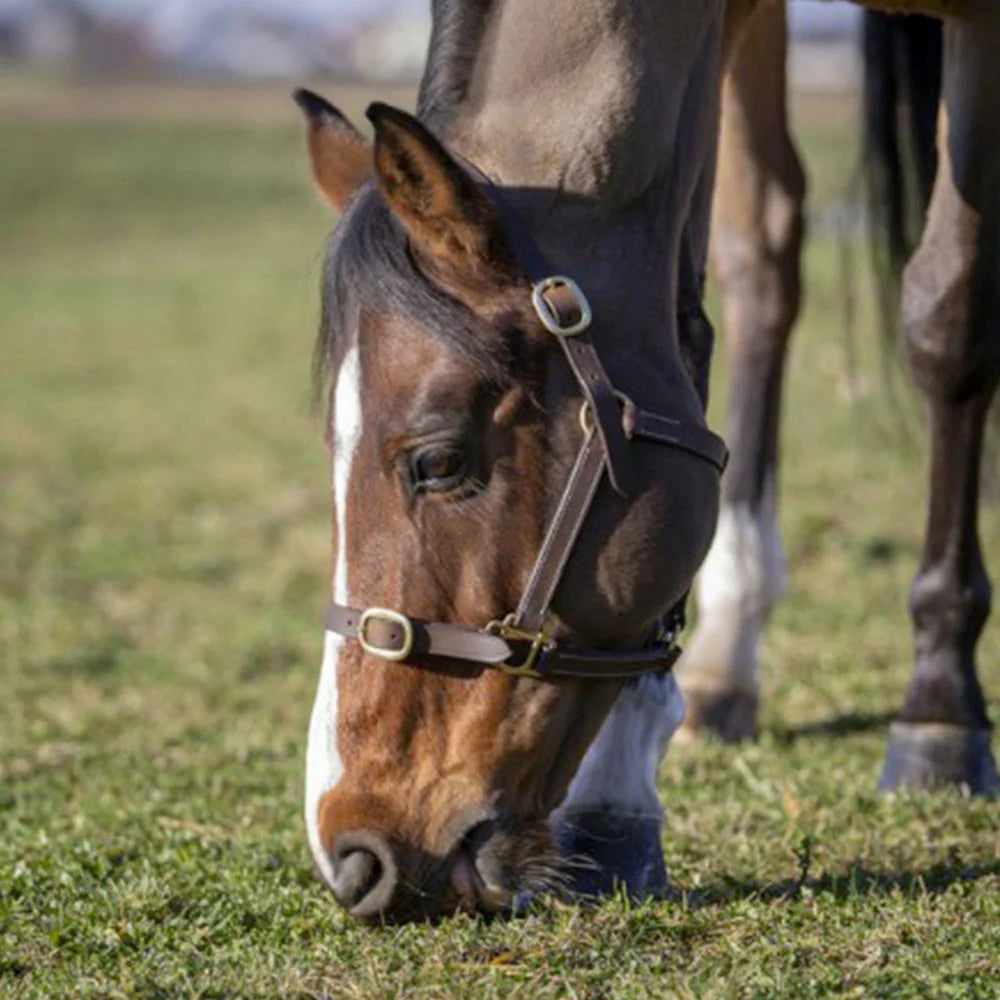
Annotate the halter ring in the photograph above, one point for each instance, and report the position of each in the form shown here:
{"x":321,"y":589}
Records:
{"x":506,"y":629}
{"x":628,"y":415}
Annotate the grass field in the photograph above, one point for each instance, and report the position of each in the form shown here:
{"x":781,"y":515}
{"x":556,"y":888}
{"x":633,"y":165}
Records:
{"x":163,"y":548}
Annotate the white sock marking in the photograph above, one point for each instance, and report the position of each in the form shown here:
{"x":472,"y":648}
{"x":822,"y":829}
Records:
{"x":324,"y":767}
{"x":618,"y":772}
{"x":741,"y":580}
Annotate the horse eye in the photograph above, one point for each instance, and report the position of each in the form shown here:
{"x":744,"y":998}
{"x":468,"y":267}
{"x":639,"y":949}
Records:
{"x":437,"y":468}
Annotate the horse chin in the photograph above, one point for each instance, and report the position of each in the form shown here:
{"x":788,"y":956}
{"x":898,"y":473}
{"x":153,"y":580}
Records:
{"x":506,"y":869}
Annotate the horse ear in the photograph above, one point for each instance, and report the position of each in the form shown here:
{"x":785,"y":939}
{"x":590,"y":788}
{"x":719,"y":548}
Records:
{"x":341,"y":159}
{"x":450,"y":220}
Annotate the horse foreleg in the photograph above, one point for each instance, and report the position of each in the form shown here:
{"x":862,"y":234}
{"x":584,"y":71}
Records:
{"x":610,"y":824}
{"x":951,"y":318}
{"x":756,"y":242}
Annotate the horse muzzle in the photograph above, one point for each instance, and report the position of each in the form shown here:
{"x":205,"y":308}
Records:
{"x":378,"y":881}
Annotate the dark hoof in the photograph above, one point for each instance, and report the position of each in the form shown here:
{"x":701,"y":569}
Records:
{"x":732,"y":717}
{"x":929,"y":755}
{"x":603,"y":851}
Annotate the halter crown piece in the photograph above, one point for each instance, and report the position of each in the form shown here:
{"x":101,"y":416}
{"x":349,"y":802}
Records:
{"x":517,"y":644}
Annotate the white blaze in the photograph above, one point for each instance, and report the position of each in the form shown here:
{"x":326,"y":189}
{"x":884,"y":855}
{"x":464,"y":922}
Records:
{"x":323,"y":764}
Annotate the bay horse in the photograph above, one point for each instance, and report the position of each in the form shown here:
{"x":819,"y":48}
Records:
{"x":950,"y":328}
{"x":517,"y":518}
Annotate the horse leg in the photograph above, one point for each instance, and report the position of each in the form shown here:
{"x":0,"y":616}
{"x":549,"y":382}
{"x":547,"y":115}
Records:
{"x":951,"y":319}
{"x":610,"y":823}
{"x":756,"y":241}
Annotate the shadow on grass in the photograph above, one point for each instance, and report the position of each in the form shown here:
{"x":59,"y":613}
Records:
{"x":857,"y":882}
{"x":106,"y":657}
{"x":848,"y":724}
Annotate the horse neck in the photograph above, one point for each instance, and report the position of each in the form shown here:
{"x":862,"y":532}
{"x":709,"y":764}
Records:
{"x":582,"y":110}
{"x":584,"y":96}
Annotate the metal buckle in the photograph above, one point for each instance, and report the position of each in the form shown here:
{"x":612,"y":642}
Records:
{"x":506,"y":629}
{"x":549,"y":317}
{"x":628,"y":415}
{"x":386,"y":614}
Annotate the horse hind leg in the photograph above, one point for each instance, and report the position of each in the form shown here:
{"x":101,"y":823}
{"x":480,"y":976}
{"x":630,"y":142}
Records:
{"x":756,"y":245}
{"x":951,"y":320}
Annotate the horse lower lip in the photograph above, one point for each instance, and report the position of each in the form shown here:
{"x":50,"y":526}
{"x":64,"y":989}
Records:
{"x":465,"y":881}
{"x":471,"y":890}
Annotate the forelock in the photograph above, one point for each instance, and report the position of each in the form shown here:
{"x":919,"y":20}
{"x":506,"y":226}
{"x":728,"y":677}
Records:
{"x":368,"y":267}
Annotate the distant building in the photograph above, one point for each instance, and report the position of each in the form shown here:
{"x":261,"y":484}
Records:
{"x":45,"y":32}
{"x":70,"y":33}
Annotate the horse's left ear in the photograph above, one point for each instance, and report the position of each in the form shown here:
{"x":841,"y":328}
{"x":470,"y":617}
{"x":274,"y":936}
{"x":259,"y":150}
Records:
{"x":453,"y":224}
{"x":341,"y":159}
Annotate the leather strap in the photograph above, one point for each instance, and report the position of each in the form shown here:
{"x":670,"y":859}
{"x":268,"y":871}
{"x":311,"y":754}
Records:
{"x":698,"y":441}
{"x":460,"y":642}
{"x":420,"y":639}
{"x":578,"y":349}
{"x":578,"y":495}
{"x":593,"y":380}
{"x":605,"y":664}
{"x":561,"y":535}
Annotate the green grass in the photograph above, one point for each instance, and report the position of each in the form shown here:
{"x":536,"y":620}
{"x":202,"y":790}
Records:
{"x":163,"y":547}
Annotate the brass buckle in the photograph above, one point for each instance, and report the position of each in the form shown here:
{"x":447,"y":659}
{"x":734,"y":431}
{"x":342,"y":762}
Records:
{"x":386,"y":614}
{"x":549,"y":317}
{"x":506,"y":629}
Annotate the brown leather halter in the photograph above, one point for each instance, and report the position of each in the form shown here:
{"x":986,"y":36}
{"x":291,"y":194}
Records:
{"x":517,"y":644}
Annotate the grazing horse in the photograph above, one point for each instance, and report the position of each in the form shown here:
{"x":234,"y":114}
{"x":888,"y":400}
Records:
{"x":523,"y":483}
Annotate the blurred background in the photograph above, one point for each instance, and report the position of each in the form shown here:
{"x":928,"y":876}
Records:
{"x":382,"y":40}
{"x":164,"y":514}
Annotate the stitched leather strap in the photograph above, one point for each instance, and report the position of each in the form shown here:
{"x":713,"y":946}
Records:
{"x":561,"y":535}
{"x":579,"y":349}
{"x":421,"y":640}
{"x":698,"y":441}
{"x":459,"y":642}
{"x":604,"y":664}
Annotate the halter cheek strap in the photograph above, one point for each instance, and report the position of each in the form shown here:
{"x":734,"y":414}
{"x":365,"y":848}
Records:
{"x":517,"y":644}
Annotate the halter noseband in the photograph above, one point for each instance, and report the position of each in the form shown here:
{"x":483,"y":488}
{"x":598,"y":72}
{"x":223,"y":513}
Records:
{"x":517,"y":644}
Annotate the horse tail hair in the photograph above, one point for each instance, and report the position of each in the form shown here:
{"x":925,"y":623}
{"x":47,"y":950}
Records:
{"x":902,"y":57}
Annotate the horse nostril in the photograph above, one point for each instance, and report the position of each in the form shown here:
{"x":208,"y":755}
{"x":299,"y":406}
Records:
{"x":356,"y":875}
{"x":364,"y":873}
{"x":477,"y":836}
